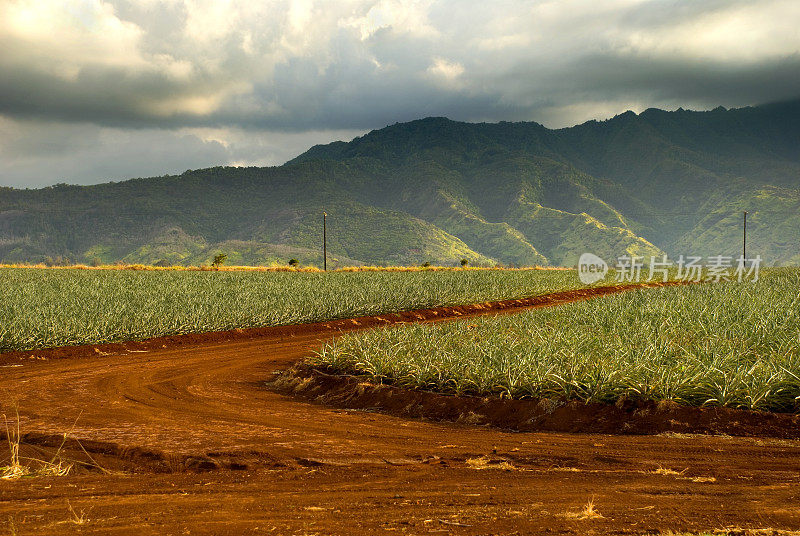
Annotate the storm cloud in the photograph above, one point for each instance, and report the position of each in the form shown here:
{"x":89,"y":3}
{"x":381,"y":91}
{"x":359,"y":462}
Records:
{"x":191,"y":83}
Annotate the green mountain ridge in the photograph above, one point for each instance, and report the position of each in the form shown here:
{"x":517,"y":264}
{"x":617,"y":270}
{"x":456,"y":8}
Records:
{"x":436,"y":190}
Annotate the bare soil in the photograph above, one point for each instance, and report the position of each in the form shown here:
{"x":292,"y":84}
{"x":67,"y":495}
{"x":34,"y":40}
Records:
{"x":326,"y":386}
{"x":191,"y":441}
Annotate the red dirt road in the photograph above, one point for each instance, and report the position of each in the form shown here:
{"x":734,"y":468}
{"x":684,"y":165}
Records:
{"x":193,"y":443}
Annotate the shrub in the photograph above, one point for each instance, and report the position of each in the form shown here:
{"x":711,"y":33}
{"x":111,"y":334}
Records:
{"x":219,"y":260}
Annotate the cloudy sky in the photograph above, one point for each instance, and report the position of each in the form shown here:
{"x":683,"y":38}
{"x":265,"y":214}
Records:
{"x":94,"y":90}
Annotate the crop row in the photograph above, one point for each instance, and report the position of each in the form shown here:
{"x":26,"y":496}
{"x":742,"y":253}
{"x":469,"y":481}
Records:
{"x":728,"y":344}
{"x":44,"y":308}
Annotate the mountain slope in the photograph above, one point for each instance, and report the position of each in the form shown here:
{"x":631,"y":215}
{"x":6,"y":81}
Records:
{"x":437,"y":190}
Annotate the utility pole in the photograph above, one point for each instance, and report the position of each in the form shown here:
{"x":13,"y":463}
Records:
{"x":744,"y":238}
{"x":325,"y":241}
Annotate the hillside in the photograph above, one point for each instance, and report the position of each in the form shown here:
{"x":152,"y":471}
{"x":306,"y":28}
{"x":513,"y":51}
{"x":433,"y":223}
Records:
{"x":438,"y":190}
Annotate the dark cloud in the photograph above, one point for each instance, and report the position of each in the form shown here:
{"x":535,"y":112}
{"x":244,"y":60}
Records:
{"x":706,"y":83}
{"x":36,"y":154}
{"x":163,"y":70}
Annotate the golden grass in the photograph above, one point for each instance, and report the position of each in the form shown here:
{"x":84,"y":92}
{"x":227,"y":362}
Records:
{"x":735,"y":531}
{"x":75,"y":519}
{"x":702,"y":479}
{"x":667,"y":471}
{"x":19,"y":467}
{"x":277,"y":268}
{"x":484,"y":462}
{"x":16,"y":469}
{"x":589,"y":511}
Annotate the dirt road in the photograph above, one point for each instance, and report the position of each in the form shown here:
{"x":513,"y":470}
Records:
{"x":191,"y":442}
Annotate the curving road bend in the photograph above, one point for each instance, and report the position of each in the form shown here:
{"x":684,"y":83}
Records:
{"x":191,"y":442}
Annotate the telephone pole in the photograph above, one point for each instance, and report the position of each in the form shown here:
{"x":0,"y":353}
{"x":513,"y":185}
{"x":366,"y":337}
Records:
{"x":325,"y":241}
{"x":744,"y":238}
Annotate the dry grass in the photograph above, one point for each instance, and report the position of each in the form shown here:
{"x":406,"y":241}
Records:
{"x":702,"y":479}
{"x":75,"y":519}
{"x":589,"y":511}
{"x":484,"y":462}
{"x":274,"y":268}
{"x":19,"y":466}
{"x":735,"y":531}
{"x":667,"y":471}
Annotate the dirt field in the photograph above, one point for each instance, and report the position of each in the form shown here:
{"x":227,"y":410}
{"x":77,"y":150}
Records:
{"x":192,"y":442}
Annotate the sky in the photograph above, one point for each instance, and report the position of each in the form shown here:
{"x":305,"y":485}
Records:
{"x":92,"y":90}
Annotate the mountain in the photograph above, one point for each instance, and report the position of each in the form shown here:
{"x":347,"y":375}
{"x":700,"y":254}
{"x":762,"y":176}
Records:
{"x":438,"y":190}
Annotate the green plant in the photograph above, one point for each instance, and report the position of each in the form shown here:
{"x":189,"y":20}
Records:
{"x":729,"y":344}
{"x":219,"y":260}
{"x":44,"y":308}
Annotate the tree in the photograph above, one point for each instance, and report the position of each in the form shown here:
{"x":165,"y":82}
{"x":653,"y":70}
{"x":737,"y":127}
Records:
{"x":293,"y":262}
{"x":426,"y":264}
{"x":464,"y":262}
{"x":219,"y":260}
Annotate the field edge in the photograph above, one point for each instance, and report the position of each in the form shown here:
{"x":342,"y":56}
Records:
{"x":328,"y":326}
{"x":320,"y":385}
